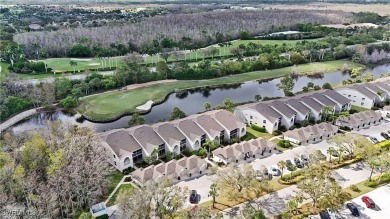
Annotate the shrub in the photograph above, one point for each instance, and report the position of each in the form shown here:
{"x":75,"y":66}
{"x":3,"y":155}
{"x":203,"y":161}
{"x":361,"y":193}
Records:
{"x":128,"y":170}
{"x":354,"y":188}
{"x":384,"y":144}
{"x":282,"y":128}
{"x":187,"y":153}
{"x":371,"y":184}
{"x":327,"y":86}
{"x":276,"y":132}
{"x":316,"y":87}
{"x":284,"y":144}
{"x":258,"y":128}
{"x":345,"y":128}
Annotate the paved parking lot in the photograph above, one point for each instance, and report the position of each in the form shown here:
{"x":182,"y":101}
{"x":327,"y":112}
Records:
{"x":380,"y":196}
{"x":375,"y":131}
{"x":201,"y":185}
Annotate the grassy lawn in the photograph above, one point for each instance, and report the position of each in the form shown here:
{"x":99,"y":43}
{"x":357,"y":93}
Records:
{"x":123,"y":187}
{"x":62,"y":64}
{"x":111,"y":105}
{"x":358,"y":108}
{"x":271,"y":42}
{"x":222,"y":201}
{"x":259,"y":134}
{"x":4,"y":69}
{"x":113,"y":179}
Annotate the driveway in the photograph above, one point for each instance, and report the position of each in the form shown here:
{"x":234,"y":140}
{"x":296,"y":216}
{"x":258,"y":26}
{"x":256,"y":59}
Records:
{"x":275,"y":203}
{"x":380,"y":196}
{"x":290,"y":155}
{"x":375,"y":130}
{"x":201,"y":185}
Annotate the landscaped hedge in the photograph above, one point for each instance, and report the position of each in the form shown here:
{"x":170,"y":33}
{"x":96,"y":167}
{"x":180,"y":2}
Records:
{"x":258,"y":128}
{"x":384,"y":144}
{"x":284,"y":144}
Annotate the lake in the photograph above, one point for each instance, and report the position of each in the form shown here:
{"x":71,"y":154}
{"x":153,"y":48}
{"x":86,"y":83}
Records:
{"x":191,"y":102}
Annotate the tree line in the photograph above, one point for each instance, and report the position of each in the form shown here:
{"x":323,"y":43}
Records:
{"x":185,"y":31}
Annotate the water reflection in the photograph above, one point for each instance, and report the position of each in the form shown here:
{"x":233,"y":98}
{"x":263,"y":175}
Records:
{"x":191,"y":101}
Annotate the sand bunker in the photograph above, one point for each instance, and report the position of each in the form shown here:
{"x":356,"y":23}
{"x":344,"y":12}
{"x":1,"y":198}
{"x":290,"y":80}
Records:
{"x":81,"y":60}
{"x":146,"y":106}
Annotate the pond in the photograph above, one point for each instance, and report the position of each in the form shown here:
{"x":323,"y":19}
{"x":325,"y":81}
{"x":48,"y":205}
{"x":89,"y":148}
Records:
{"x":191,"y":102}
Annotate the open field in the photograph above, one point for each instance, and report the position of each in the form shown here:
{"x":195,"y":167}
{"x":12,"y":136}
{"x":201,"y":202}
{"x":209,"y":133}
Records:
{"x":382,"y":9}
{"x":113,"y":104}
{"x":62,"y":64}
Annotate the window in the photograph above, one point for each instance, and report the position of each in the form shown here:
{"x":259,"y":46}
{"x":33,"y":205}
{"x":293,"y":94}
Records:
{"x":127,"y":161}
{"x":363,"y":98}
{"x":137,"y":156}
{"x":349,"y":95}
{"x":276,"y":123}
{"x":114,"y":163}
{"x":242,"y":131}
{"x":202,"y":139}
{"x":292,"y":119}
{"x":362,"y":103}
{"x":251,"y":117}
{"x":233,"y":134}
{"x":161,"y":150}
{"x":183,"y":144}
{"x":222,"y":135}
{"x":264,"y":121}
{"x":114,"y":155}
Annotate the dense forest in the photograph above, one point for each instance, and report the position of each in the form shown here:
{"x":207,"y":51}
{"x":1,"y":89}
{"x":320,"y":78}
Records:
{"x":186,"y":31}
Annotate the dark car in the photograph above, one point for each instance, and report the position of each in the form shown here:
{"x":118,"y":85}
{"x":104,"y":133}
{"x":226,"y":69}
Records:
{"x":354,"y":210}
{"x":289,"y":165}
{"x":298,"y":162}
{"x":324,"y":215}
{"x":385,"y":135}
{"x":193,"y":196}
{"x":368,"y":201}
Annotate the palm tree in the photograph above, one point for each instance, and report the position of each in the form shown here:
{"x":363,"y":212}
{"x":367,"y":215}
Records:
{"x":74,"y":64}
{"x":344,"y":114}
{"x":207,"y":106}
{"x":211,"y":144}
{"x":213,"y":192}
{"x":330,"y":151}
{"x":292,"y":205}
{"x":257,"y":97}
{"x":326,"y":110}
{"x":340,"y":153}
{"x":282,"y":165}
{"x":332,"y":118}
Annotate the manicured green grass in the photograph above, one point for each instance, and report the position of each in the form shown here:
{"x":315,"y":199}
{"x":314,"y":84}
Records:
{"x":4,"y":70}
{"x":258,"y":134}
{"x":358,"y":108}
{"x":123,"y":187}
{"x":270,"y":42}
{"x":113,"y":104}
{"x":113,"y":180}
{"x":63,"y":64}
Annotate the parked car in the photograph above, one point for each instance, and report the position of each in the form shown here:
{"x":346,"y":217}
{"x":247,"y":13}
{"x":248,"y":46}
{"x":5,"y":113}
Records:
{"x":385,"y":135}
{"x":324,"y":215}
{"x":298,"y":162}
{"x":373,"y":139}
{"x":304,"y":158}
{"x":368,"y":201}
{"x":331,"y":213}
{"x":354,"y":210}
{"x":193,"y":197}
{"x":289,"y":165}
{"x":274,"y":170}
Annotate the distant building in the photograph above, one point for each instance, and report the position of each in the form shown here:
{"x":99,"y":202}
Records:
{"x":35,"y":27}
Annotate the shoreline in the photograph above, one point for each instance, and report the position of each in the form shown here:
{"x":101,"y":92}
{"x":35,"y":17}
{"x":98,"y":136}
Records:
{"x":206,"y":83}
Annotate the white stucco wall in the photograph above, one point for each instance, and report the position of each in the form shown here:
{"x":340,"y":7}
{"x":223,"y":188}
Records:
{"x":253,"y":117}
{"x":356,"y":97}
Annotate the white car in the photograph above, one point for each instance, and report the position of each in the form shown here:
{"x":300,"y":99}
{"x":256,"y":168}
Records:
{"x":331,"y":213}
{"x":274,"y":170}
